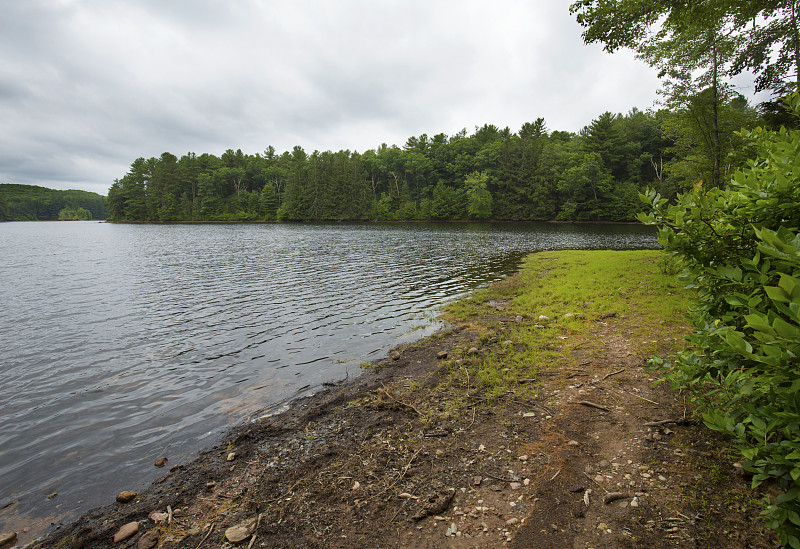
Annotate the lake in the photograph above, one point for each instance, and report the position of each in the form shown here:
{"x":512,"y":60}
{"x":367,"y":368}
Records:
{"x":124,"y":343}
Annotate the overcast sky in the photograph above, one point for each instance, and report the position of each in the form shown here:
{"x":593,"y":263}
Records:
{"x":87,"y":86}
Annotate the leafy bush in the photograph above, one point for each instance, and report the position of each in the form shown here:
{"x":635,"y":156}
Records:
{"x":741,"y":251}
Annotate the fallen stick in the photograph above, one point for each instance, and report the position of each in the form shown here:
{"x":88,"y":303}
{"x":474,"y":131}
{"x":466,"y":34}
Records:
{"x":210,"y":529}
{"x":593,"y":405}
{"x":612,"y":374}
{"x":681,"y":421}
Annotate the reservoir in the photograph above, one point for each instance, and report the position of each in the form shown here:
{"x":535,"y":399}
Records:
{"x":122,"y":343}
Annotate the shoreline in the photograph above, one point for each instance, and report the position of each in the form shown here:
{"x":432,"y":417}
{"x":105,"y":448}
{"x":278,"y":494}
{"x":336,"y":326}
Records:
{"x":425,"y":450}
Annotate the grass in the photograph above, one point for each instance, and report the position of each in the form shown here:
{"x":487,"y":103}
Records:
{"x":536,"y":319}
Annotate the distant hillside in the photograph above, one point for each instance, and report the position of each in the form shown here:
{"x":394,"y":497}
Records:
{"x":32,"y":203}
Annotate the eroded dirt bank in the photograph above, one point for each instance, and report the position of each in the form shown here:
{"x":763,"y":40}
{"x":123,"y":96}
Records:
{"x":421,"y":452}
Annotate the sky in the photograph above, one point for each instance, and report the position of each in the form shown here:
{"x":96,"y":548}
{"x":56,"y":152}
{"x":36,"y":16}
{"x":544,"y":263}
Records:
{"x":88,"y":86}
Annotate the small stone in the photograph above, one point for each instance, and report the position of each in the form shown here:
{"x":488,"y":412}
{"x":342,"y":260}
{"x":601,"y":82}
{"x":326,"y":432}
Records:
{"x":512,"y":521}
{"x":148,"y":540}
{"x":573,"y":443}
{"x":476,"y":481}
{"x":242,"y":531}
{"x":8,"y":540}
{"x":394,"y":355}
{"x":635,"y":502}
{"x":518,"y":319}
{"x":451,"y":531}
{"x":127,"y":531}
{"x":515,"y":485}
{"x":441,"y":355}
{"x":160,"y":462}
{"x":51,"y":496}
{"x":126,"y":496}
{"x":231,"y":456}
{"x":526,"y":482}
{"x":356,"y":485}
{"x":472,"y":351}
{"x":523,"y":457}
{"x":529,"y":414}
{"x":602,"y":526}
{"x":603,"y":464}
{"x":543,"y":318}
{"x":157,"y":516}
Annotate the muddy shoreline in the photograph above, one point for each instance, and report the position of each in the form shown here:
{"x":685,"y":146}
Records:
{"x":567,"y":442}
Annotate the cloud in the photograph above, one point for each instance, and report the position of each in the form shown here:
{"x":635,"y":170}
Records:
{"x":87,"y":86}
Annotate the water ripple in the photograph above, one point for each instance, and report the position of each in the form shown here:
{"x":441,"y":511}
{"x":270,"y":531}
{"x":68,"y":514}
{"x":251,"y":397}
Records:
{"x":126,"y":342}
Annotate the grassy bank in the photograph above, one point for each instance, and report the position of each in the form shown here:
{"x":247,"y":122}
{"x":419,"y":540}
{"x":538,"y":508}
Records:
{"x":536,"y":320}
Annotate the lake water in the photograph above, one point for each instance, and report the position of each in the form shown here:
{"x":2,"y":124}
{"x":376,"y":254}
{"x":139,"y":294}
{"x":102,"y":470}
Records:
{"x":123,"y":343}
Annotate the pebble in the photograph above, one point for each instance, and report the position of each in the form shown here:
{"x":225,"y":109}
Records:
{"x":441,"y":355}
{"x":515,"y":485}
{"x":126,"y":496}
{"x":231,"y":456}
{"x":523,"y":457}
{"x":148,"y":540}
{"x":8,"y":540}
{"x":157,"y":516}
{"x":160,"y":462}
{"x":543,"y":318}
{"x":472,"y":351}
{"x":242,"y":531}
{"x":51,"y":496}
{"x":512,"y":521}
{"x":127,"y":531}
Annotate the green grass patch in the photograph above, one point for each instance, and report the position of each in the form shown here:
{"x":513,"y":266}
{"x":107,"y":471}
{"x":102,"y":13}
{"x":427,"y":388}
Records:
{"x":536,"y":319}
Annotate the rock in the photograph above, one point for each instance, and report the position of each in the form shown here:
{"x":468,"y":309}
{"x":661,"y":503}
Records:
{"x":394,"y":355}
{"x":515,"y":485}
{"x":512,"y":521}
{"x":476,"y":480}
{"x":518,"y":319}
{"x":148,"y":540}
{"x":242,"y":531}
{"x":127,"y":531}
{"x":451,"y":531}
{"x":441,"y":355}
{"x":472,"y":351}
{"x":157,"y":516}
{"x":356,"y":485}
{"x":8,"y":540}
{"x":51,"y":496}
{"x":160,"y":462}
{"x":543,"y":318}
{"x":126,"y":496}
{"x":523,"y":457}
{"x":231,"y":456}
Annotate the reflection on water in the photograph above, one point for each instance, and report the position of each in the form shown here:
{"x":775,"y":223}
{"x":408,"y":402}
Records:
{"x":123,"y":343}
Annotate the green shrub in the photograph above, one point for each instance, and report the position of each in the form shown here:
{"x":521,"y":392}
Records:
{"x":741,"y":252}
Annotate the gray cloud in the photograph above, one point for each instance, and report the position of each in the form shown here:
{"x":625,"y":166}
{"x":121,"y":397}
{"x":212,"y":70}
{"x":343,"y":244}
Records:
{"x":86,"y":86}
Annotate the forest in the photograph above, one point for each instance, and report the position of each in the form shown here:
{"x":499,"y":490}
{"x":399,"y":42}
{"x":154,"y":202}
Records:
{"x":491,"y":173}
{"x":33,"y":203}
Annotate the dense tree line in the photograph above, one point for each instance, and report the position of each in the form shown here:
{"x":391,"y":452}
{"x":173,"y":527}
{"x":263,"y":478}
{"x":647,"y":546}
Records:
{"x":493,"y":173}
{"x":32,"y":203}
